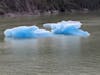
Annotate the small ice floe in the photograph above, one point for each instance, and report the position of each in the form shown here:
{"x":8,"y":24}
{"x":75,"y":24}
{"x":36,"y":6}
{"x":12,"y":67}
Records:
{"x":63,"y":27}
{"x":67,"y":28}
{"x":26,"y":32}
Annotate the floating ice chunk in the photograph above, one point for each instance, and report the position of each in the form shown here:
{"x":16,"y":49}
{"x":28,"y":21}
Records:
{"x":67,"y":28}
{"x":63,"y":27}
{"x":21,"y":32}
{"x":26,"y":32}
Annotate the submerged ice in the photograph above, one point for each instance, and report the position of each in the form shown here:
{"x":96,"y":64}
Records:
{"x":63,"y":27}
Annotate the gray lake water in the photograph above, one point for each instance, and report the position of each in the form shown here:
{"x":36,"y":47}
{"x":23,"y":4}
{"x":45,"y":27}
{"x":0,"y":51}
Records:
{"x":57,"y":55}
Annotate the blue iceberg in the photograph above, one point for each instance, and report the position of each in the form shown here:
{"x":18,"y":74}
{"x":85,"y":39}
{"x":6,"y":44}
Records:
{"x":67,"y":28}
{"x":63,"y":27}
{"x":26,"y":32}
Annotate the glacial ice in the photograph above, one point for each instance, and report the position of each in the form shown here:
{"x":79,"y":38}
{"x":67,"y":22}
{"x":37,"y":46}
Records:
{"x":26,"y":32}
{"x":63,"y":27}
{"x":67,"y":28}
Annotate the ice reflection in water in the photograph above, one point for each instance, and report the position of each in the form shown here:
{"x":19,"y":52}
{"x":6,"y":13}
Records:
{"x":55,"y":45}
{"x":44,"y":55}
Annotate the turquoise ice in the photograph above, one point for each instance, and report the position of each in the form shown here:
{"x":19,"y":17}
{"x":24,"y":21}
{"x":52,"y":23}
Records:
{"x":26,"y":32}
{"x":67,"y":28}
{"x":62,"y":28}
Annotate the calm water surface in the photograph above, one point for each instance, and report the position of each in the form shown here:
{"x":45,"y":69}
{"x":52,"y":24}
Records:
{"x":57,"y":55}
